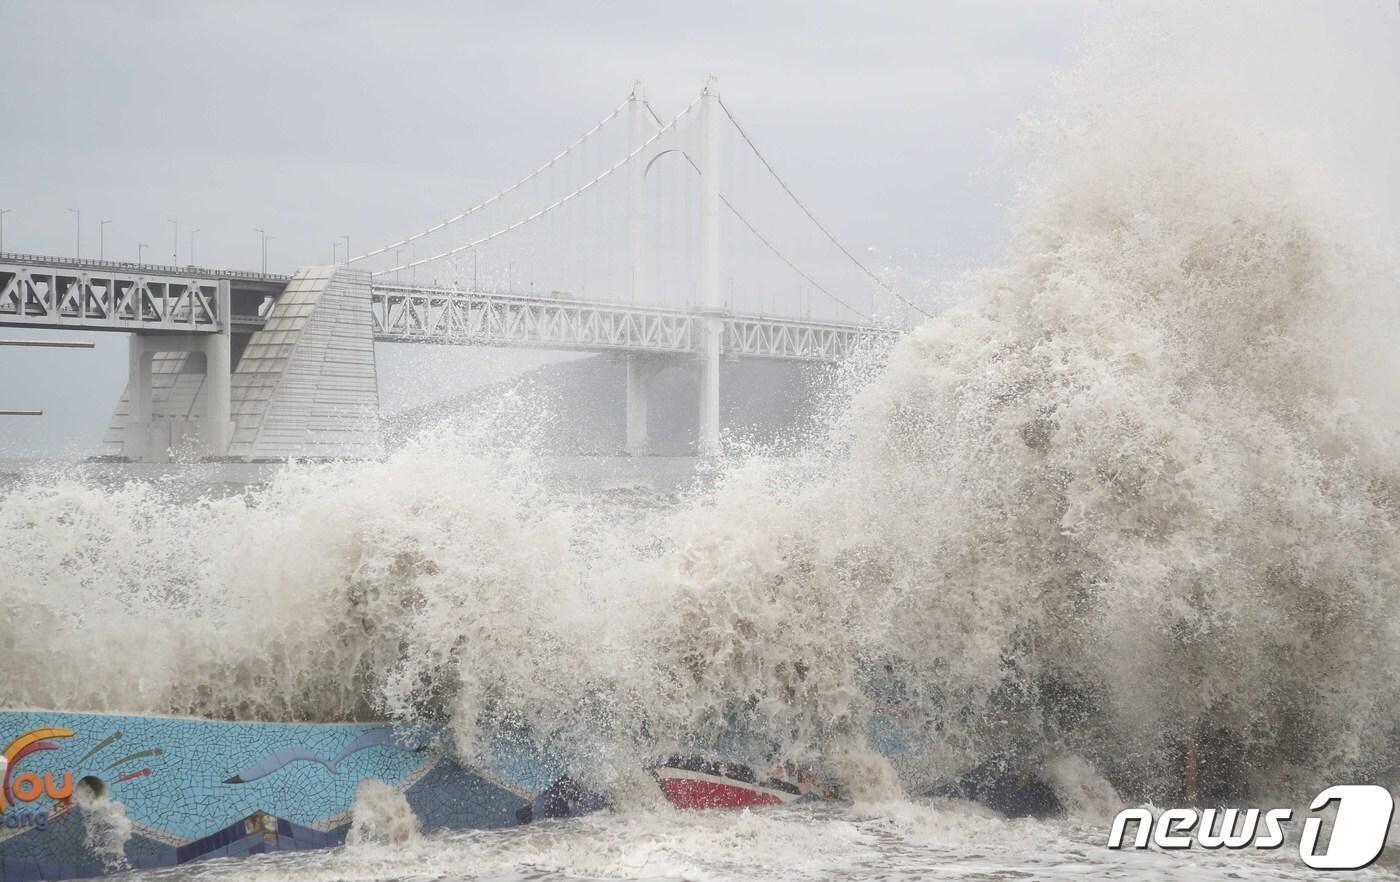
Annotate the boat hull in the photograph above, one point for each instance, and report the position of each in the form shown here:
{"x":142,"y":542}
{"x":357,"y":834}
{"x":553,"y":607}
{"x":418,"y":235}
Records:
{"x":691,"y":789}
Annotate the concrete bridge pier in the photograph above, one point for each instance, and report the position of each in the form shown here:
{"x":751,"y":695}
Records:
{"x":302,"y":385}
{"x":640,"y":371}
{"x":152,"y":439}
{"x":708,"y":442}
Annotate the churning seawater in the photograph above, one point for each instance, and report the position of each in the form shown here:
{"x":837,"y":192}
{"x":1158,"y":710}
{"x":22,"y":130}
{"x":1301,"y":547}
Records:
{"x":1132,"y":497}
{"x":899,"y":841}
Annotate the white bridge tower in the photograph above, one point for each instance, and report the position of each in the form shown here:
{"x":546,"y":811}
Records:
{"x":699,"y":143}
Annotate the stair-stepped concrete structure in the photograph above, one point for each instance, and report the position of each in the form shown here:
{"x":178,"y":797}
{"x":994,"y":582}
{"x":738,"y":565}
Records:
{"x":304,"y":386}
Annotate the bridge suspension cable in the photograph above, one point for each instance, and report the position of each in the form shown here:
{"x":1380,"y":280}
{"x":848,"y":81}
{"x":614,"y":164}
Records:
{"x":794,"y":267}
{"x":825,"y":232}
{"x":503,"y":193}
{"x":552,"y":206}
{"x":764,"y":239}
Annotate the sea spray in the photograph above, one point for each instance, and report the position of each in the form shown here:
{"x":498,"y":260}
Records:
{"x":1081,"y":788}
{"x":381,"y":815}
{"x":106,"y":828}
{"x":1142,"y":500}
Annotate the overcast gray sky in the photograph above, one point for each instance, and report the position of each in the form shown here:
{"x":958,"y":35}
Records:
{"x":320,"y":119}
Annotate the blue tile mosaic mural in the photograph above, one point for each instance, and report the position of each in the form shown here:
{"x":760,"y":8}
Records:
{"x":195,"y":789}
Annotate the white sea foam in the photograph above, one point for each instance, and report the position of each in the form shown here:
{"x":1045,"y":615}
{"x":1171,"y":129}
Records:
{"x":106,"y":828}
{"x":898,"y":841}
{"x":381,"y":814}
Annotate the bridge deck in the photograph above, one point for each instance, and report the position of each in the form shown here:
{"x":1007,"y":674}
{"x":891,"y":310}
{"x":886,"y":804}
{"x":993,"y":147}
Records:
{"x":411,"y":314}
{"x":42,"y":296}
{"x":90,"y":265}
{"x":53,"y":292}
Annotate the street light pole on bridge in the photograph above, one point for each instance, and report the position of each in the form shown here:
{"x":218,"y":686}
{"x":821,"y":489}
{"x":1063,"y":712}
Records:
{"x":264,"y":246}
{"x":3,"y":212}
{"x":78,"y":233}
{"x":102,"y":239}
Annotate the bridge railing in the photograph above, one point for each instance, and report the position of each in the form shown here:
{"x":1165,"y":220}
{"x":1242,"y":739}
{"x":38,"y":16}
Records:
{"x":81,"y":263}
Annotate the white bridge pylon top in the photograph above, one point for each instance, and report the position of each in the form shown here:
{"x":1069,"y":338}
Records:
{"x":612,"y":218}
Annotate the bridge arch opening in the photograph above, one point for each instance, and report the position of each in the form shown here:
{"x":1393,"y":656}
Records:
{"x":176,"y":400}
{"x":660,"y":153}
{"x":195,"y":363}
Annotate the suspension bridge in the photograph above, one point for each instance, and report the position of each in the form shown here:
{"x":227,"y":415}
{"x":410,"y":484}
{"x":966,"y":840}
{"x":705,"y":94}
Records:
{"x":649,"y":240}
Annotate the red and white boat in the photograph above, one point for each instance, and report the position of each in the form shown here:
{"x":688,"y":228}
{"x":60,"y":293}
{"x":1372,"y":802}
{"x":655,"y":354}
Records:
{"x":699,"y":784}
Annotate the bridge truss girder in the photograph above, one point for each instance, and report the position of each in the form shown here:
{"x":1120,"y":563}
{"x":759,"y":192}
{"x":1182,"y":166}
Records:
{"x":425,"y":315}
{"x":759,"y":337}
{"x":48,"y":297}
{"x":408,"y":314}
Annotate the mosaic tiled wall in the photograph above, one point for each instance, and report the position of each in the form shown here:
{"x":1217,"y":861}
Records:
{"x":196,"y":789}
